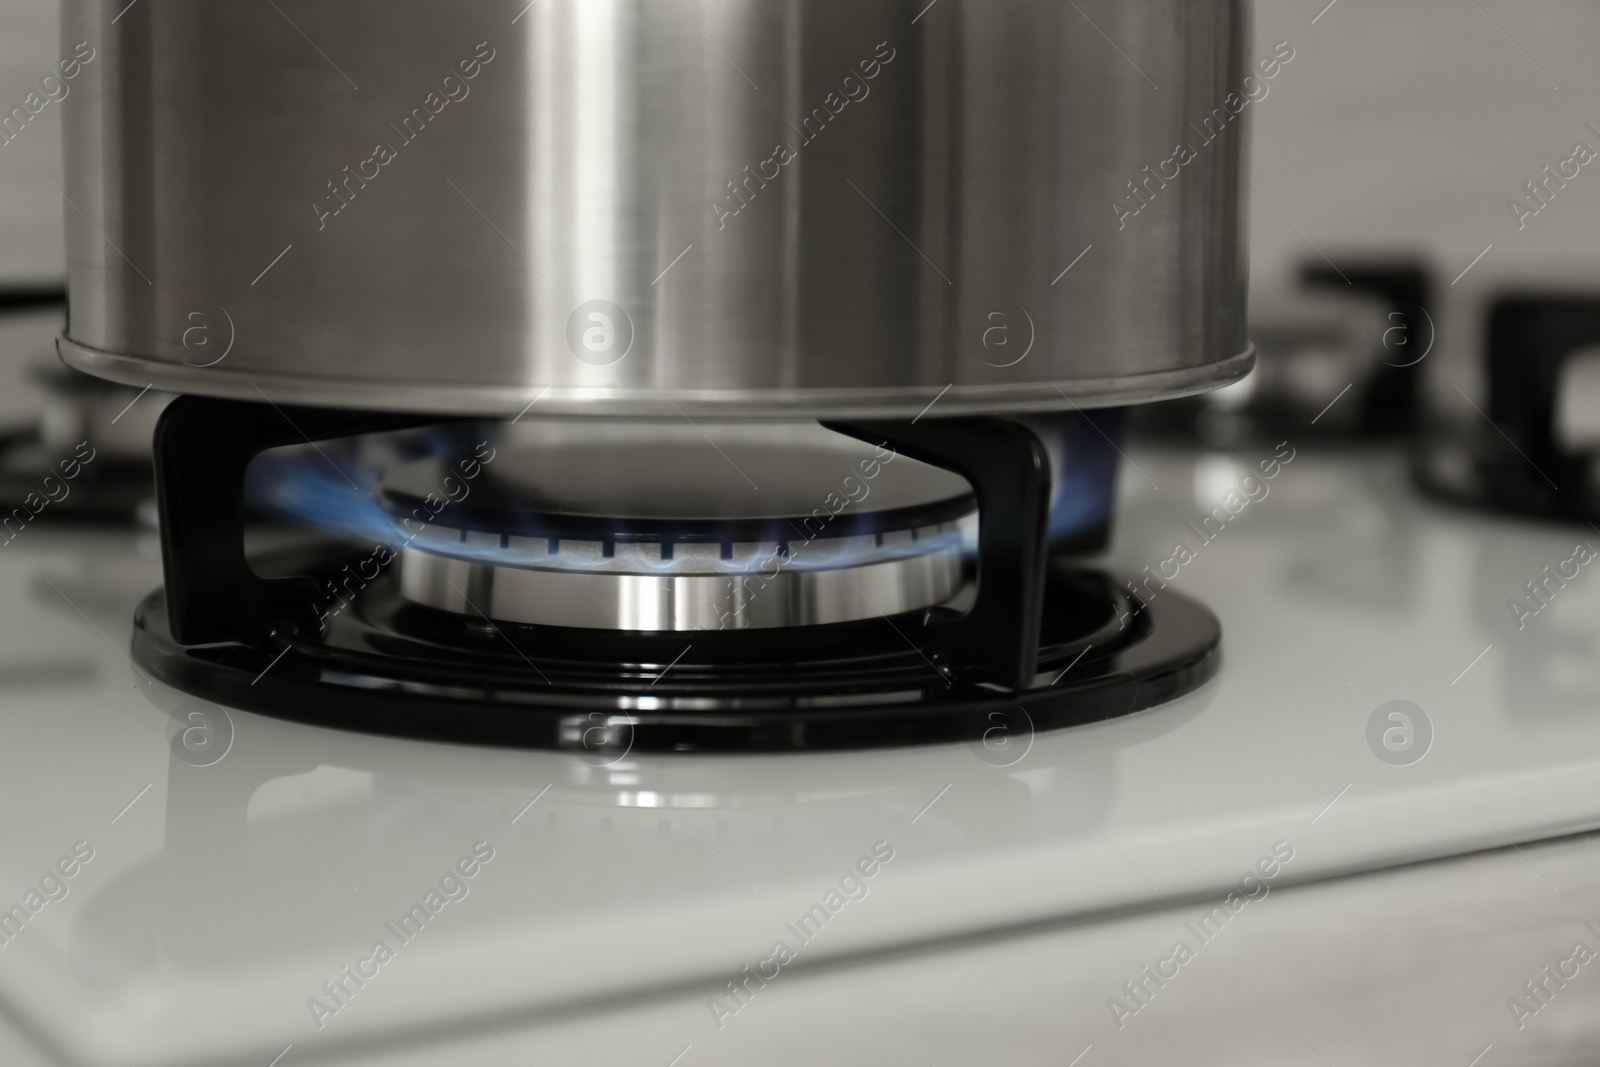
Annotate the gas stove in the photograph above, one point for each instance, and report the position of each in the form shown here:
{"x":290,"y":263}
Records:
{"x":597,"y":588}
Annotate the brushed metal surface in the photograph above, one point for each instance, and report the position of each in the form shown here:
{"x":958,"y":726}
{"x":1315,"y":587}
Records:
{"x":949,"y":164}
{"x":639,"y":586}
{"x":706,"y":597}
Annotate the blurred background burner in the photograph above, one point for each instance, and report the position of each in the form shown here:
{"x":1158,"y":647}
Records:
{"x":598,"y":530}
{"x":99,"y":431}
{"x":1530,"y":443}
{"x":1339,"y":356}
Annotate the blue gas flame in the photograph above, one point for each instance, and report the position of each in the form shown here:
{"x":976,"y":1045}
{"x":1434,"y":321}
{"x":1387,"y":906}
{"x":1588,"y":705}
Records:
{"x":330,"y":486}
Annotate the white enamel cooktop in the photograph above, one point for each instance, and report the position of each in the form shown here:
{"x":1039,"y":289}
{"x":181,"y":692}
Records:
{"x":221,"y":898}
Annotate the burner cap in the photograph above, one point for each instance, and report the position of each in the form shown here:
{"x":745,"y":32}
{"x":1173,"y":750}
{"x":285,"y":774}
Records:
{"x":727,"y":485}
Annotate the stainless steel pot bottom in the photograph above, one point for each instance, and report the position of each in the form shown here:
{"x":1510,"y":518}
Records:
{"x":863,"y":208}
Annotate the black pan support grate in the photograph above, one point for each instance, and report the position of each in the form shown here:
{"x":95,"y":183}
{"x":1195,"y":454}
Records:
{"x":1040,"y":644}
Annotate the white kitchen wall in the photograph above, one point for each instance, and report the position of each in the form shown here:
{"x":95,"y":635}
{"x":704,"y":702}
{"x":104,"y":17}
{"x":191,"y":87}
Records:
{"x":1408,"y":124}
{"x":30,"y":211}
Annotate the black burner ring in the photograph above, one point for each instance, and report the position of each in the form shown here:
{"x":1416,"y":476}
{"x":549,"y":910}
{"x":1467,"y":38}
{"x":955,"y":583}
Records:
{"x":384,"y":670}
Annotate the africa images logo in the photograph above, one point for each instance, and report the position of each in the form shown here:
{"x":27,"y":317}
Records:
{"x":600,"y":333}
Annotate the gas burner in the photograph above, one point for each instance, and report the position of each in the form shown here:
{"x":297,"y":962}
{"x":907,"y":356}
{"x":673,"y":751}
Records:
{"x":1532,"y":446}
{"x":87,"y":457}
{"x":591,"y":595}
{"x":102,"y":429}
{"x":599,"y":533}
